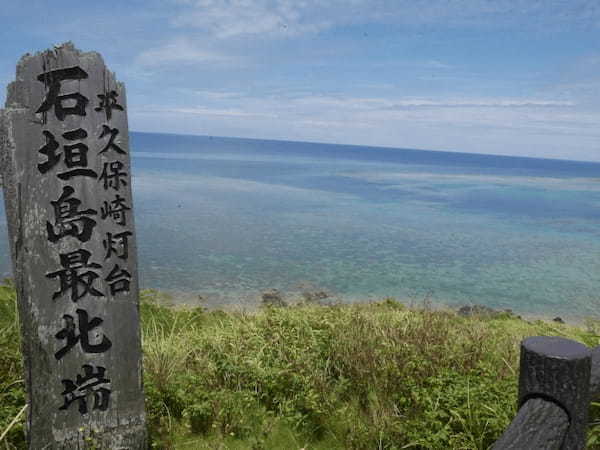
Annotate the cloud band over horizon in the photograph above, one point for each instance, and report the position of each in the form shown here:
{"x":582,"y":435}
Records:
{"x":510,"y":77}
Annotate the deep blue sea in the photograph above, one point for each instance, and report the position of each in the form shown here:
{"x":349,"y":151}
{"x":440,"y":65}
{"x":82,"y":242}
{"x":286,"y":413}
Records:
{"x":226,"y":219}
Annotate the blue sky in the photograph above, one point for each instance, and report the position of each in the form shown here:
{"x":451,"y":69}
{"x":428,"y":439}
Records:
{"x":514,"y":77}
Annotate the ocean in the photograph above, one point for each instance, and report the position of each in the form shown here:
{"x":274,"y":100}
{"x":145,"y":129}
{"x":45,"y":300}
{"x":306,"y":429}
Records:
{"x":221,"y":220}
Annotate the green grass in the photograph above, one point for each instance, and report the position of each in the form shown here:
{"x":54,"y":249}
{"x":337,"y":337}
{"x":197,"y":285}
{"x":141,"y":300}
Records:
{"x":361,"y":376}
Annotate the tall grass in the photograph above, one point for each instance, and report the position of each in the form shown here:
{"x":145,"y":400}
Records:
{"x":370,"y":376}
{"x":12,"y":391}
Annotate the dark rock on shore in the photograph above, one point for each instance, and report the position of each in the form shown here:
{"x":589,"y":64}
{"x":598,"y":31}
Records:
{"x":273,"y":297}
{"x":483,"y":311}
{"x":314,"y":296}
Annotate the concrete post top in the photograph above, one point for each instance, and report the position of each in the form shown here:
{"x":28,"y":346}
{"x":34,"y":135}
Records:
{"x":557,"y":347}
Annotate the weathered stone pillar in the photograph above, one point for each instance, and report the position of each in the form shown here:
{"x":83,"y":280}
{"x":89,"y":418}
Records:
{"x":67,"y":187}
{"x":558,"y":369}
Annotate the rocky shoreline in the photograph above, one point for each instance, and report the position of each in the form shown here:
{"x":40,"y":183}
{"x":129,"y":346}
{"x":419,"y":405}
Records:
{"x":305,"y":294}
{"x":274,"y":298}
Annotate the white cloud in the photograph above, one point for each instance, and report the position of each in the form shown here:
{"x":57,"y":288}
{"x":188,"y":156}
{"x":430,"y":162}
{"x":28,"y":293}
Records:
{"x":533,"y":127}
{"x":232,"y":18}
{"x":385,"y":103}
{"x":203,"y":111}
{"x":181,"y":50}
{"x":217,"y":95}
{"x":235,"y":18}
{"x":491,"y":103}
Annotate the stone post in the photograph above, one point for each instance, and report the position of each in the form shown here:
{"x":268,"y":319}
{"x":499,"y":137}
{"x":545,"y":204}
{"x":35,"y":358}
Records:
{"x":558,"y":370}
{"x":66,"y":171}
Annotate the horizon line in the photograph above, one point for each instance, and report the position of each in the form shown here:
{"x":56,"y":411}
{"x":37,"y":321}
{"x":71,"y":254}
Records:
{"x":383,"y":147}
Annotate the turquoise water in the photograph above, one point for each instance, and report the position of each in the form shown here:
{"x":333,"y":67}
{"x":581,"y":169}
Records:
{"x":229,"y":218}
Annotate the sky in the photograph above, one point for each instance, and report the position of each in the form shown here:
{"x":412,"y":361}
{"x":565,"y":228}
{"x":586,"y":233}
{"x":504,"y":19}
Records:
{"x":508,"y":77}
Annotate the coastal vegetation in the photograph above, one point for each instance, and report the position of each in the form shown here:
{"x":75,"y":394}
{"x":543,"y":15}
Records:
{"x":312,"y":376}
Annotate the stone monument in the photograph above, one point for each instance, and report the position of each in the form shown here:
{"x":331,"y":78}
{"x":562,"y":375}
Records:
{"x":66,"y":174}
